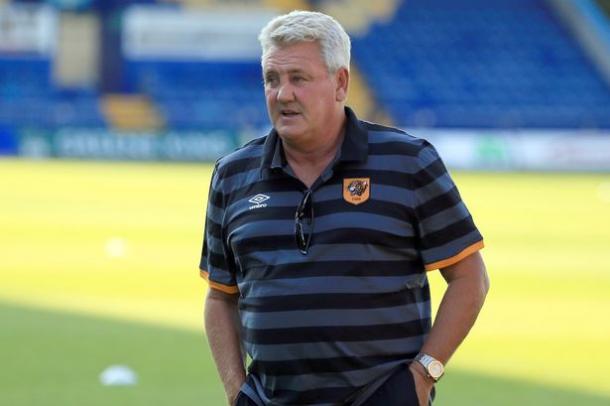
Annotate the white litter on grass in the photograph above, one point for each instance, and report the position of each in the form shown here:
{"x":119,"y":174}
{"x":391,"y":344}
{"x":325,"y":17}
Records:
{"x":116,"y":247}
{"x":603,"y":192}
{"x":118,"y":375}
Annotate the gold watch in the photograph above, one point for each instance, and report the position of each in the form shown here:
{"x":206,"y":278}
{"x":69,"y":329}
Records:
{"x":434,"y":368}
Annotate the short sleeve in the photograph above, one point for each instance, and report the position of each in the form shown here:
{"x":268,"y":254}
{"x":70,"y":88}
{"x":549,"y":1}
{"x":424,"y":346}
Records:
{"x":446,"y":231}
{"x":216,"y":264}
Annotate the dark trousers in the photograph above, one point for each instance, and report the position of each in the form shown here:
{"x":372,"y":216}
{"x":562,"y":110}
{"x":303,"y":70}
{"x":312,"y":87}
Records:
{"x":398,"y":390}
{"x":243,"y":400}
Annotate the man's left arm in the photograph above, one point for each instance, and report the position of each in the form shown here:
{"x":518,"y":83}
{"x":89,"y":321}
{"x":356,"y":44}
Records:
{"x":468,"y":284}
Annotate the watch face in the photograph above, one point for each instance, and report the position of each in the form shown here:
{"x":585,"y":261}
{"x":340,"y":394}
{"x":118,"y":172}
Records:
{"x":435,"y":369}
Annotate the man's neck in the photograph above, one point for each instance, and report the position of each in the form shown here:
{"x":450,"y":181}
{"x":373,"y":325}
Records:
{"x":312,"y":155}
{"x":308,"y":162}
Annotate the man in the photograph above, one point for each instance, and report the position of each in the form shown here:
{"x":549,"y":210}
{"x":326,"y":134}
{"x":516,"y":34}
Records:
{"x":318,"y":238}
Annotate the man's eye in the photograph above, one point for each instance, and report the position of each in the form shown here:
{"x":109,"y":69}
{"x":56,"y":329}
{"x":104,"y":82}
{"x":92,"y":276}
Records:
{"x":270,"y":81}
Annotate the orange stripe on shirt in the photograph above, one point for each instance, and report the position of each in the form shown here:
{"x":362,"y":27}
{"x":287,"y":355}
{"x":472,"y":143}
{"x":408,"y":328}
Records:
{"x":219,"y":286}
{"x":456,"y":258}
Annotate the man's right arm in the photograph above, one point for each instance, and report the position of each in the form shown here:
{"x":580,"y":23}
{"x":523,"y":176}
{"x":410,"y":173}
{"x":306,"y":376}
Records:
{"x":223,"y":333}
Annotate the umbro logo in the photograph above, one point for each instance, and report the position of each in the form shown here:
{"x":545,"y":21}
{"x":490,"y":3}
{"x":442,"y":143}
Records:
{"x":259,"y":198}
{"x":258,"y":201}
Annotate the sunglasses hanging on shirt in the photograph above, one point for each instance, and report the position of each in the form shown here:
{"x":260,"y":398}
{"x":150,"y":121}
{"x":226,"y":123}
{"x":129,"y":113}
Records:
{"x":303,"y":223}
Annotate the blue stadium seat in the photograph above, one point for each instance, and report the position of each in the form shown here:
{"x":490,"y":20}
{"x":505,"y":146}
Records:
{"x":202,"y":95}
{"x":28,"y":97}
{"x":480,"y":63}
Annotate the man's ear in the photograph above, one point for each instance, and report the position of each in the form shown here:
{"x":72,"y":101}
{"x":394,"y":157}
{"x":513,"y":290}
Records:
{"x":342,"y":77}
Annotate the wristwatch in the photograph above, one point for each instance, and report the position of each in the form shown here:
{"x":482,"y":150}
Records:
{"x":434,"y":368}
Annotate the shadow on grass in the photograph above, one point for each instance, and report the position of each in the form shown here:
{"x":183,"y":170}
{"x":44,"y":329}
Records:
{"x":55,"y":358}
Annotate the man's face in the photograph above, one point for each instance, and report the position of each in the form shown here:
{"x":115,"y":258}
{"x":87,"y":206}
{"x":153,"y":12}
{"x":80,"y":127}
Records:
{"x":301,"y":95}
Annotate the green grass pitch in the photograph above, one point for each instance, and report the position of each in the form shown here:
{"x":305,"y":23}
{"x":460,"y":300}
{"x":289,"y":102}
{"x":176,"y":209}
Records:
{"x":98,"y":266}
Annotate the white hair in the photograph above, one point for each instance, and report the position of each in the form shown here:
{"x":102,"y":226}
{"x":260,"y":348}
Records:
{"x":309,"y":26}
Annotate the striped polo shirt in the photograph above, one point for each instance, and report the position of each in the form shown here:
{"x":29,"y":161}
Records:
{"x":327,"y":326}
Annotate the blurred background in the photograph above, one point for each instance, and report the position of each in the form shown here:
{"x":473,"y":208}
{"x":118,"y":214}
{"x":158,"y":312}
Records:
{"x":113,"y":112}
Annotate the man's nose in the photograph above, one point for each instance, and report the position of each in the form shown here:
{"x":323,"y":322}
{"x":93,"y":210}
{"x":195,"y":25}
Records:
{"x":285,"y":93}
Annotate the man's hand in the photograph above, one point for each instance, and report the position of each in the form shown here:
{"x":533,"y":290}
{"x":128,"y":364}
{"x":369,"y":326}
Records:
{"x":423,"y":384}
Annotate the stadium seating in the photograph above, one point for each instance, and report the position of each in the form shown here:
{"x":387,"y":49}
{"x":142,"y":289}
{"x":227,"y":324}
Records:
{"x":447,"y":63}
{"x":28,"y":98}
{"x":202,"y":95}
{"x":24,"y":76}
{"x":442,"y":63}
{"x":476,"y":63}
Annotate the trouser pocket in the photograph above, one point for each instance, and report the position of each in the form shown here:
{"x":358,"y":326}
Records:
{"x":243,"y":400}
{"x":398,"y":390}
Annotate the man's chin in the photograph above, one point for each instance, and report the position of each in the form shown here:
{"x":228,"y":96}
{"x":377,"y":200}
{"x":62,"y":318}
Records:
{"x":288,"y":131}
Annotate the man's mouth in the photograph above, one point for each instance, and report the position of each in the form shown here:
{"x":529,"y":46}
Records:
{"x":289,"y":113}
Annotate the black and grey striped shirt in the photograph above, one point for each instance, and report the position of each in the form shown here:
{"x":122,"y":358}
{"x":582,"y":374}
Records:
{"x":323,"y":328}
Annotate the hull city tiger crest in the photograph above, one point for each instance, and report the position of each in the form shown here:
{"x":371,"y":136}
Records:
{"x":356,"y":190}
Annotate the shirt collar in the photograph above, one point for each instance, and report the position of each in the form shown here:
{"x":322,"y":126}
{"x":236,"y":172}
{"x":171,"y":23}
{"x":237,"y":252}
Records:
{"x":353,"y":149}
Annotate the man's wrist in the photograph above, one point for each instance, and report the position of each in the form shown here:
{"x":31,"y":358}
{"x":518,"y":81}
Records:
{"x":232,"y":391}
{"x":419,"y":369}
{"x":434,"y":368}
{"x":232,"y":398}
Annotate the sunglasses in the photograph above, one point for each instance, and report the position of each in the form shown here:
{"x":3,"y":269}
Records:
{"x":303,"y":219}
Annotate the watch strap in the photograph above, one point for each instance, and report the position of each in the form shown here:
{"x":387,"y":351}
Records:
{"x":427,"y":361}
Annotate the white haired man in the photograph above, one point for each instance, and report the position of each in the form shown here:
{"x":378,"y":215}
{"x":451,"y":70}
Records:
{"x":318,"y":239}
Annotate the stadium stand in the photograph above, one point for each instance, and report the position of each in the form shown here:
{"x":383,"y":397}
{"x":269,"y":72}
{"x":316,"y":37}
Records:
{"x":481,"y":64}
{"x":202,"y":95}
{"x":28,"y":97}
{"x":446,"y":63}
{"x":126,"y":112}
{"x":283,"y":5}
{"x":357,"y":15}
